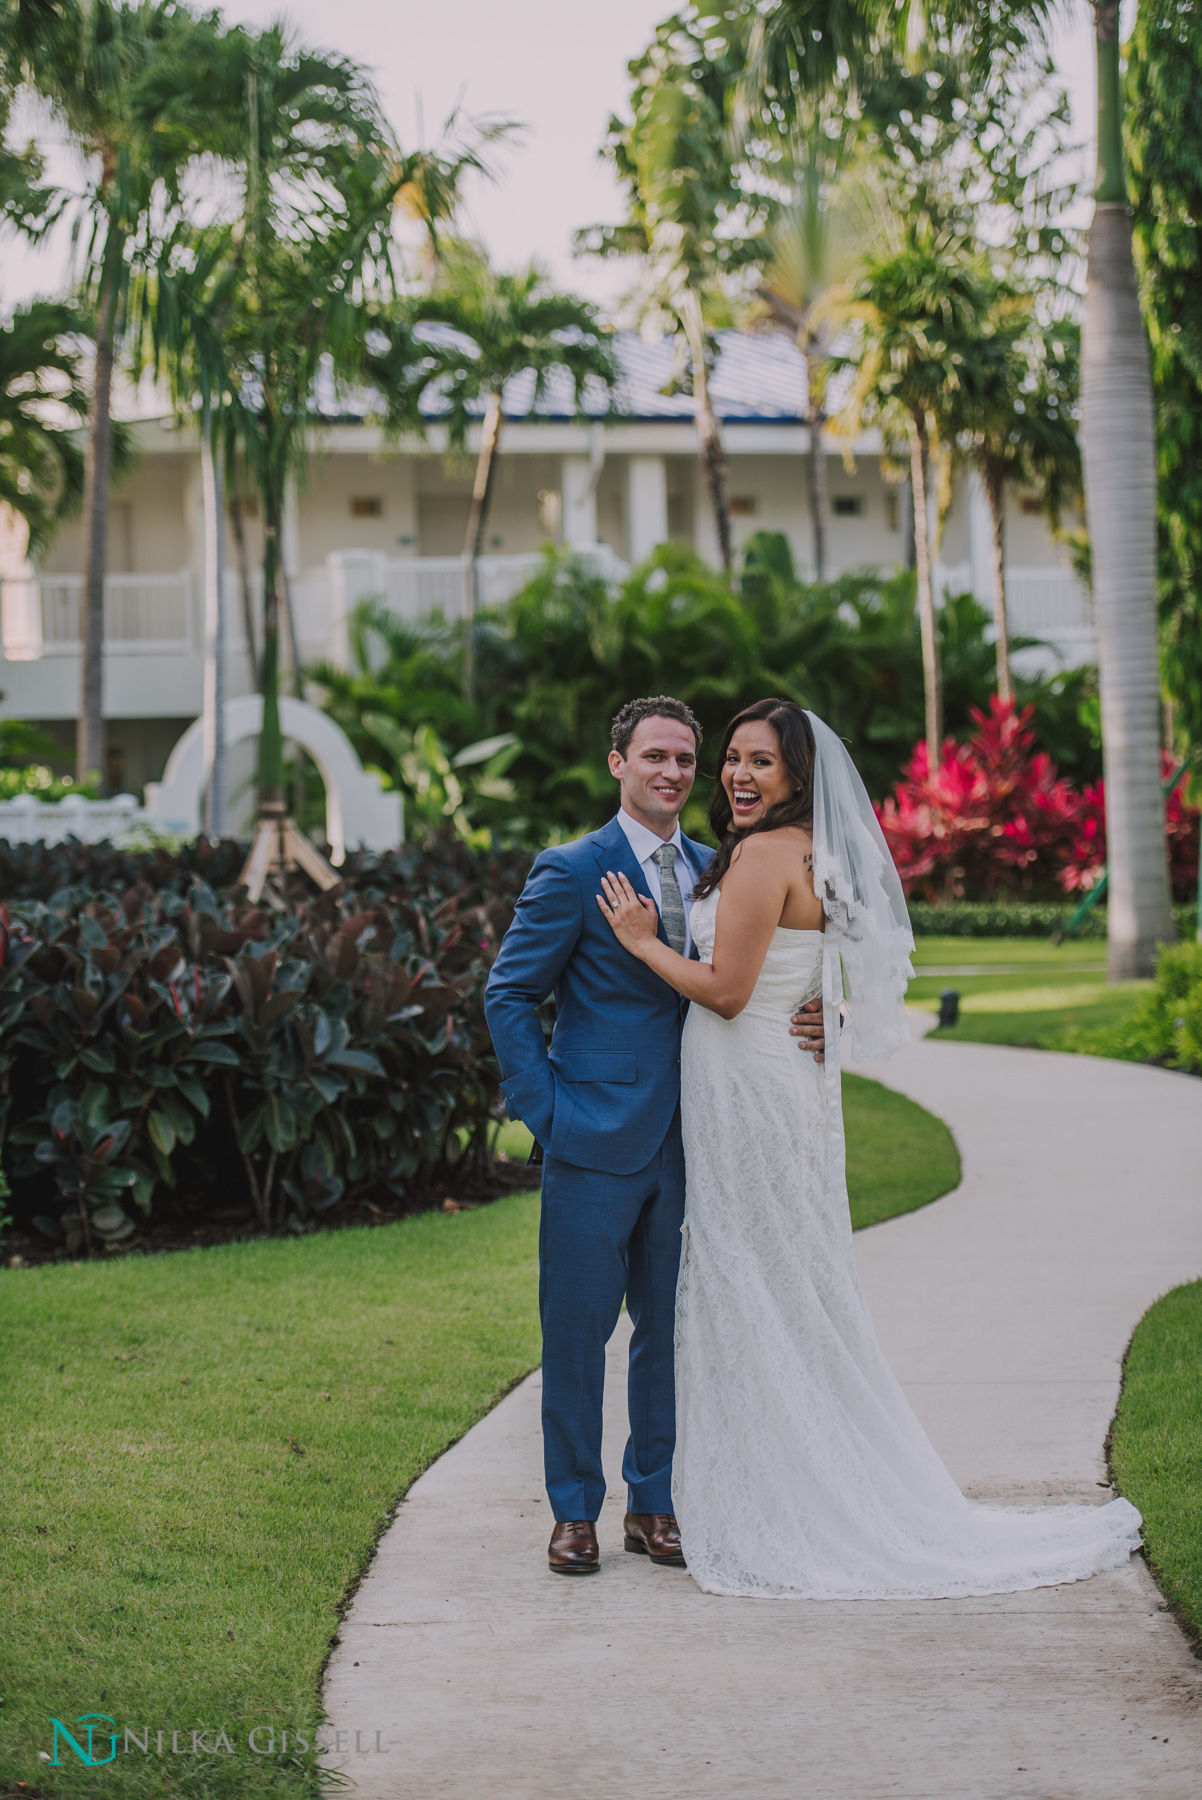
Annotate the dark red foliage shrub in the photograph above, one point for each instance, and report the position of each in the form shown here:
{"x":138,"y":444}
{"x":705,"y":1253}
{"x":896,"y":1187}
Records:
{"x":277,"y":1058}
{"x":996,"y":817}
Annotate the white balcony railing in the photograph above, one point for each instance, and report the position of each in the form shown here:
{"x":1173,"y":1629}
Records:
{"x":1051,"y":604}
{"x":146,"y":615}
{"x":1048,"y":603}
{"x":161,"y":614}
{"x":413,"y":587}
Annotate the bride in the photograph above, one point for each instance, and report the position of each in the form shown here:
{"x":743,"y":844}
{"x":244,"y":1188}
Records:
{"x":800,"y":1469}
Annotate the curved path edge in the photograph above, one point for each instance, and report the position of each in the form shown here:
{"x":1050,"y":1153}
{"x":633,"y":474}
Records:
{"x":1005,"y":1308}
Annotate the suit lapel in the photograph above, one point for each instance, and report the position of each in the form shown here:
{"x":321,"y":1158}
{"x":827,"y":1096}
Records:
{"x":613,"y":851}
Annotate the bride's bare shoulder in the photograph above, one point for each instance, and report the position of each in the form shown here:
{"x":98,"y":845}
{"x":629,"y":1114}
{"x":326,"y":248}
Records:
{"x":761,"y":850}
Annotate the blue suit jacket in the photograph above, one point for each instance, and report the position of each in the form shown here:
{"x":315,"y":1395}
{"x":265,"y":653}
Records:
{"x":606,"y":1095}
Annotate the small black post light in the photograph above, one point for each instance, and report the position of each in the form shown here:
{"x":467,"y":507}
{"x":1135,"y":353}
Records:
{"x":949,"y":1007}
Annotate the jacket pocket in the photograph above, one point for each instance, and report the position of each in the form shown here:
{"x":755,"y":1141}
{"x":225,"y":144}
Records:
{"x":594,"y":1065}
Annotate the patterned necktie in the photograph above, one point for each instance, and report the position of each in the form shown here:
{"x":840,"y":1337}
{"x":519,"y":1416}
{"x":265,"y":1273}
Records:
{"x":671,"y":906}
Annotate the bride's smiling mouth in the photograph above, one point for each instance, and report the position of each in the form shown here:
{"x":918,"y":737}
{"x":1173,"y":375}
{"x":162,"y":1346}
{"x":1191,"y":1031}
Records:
{"x":746,"y":802}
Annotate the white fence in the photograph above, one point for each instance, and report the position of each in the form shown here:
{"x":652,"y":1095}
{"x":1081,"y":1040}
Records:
{"x":27,"y":820}
{"x":143,"y":615}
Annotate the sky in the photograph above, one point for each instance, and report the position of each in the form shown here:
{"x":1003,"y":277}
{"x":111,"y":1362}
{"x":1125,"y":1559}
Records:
{"x":557,"y":66}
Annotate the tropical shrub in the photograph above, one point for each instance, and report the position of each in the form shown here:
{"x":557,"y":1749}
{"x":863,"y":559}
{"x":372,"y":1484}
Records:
{"x":281,"y":1059}
{"x":996,"y":817}
{"x":1166,"y":1025}
{"x":40,"y":780}
{"x":556,"y":664}
{"x":25,"y":756}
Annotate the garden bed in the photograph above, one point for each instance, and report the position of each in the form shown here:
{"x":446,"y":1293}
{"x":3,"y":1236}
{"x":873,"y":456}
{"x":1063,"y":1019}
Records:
{"x":176,"y":1065}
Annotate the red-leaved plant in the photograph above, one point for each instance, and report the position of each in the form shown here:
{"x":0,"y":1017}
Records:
{"x":996,"y":817}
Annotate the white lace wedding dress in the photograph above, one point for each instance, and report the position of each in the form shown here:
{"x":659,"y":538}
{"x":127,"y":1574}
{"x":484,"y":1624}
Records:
{"x":800,"y":1469}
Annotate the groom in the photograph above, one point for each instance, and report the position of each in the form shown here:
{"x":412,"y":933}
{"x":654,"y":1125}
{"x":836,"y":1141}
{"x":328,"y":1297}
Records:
{"x":604,"y":1106}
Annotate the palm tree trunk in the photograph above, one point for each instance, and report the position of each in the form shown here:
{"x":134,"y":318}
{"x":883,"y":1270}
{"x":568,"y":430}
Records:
{"x":820,"y":505}
{"x":248,"y":610}
{"x":477,"y":513}
{"x":98,"y":457}
{"x":713,"y":451}
{"x":216,"y":765}
{"x":932,"y":683}
{"x":287,"y":528}
{"x":271,"y":741}
{"x":995,"y":493}
{"x":1118,"y":445}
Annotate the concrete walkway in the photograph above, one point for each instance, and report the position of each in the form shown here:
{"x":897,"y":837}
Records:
{"x":1005,"y":1310}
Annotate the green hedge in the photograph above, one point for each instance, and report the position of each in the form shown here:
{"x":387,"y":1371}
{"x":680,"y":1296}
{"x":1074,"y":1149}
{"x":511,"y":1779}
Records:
{"x":278,"y":1056}
{"x":1019,"y":918}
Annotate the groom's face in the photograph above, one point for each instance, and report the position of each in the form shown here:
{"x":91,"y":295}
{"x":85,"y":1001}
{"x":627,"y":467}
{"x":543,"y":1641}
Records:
{"x":657,"y":772}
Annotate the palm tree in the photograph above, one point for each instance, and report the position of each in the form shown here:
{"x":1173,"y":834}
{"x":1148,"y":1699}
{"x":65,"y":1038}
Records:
{"x":917,"y":315}
{"x":185,"y":299}
{"x":1017,"y":424}
{"x":687,"y":218}
{"x":478,"y":329}
{"x":315,"y":195}
{"x":117,"y":78}
{"x":817,"y":241}
{"x":1118,"y":448}
{"x":41,"y":465}
{"x":803,"y":39}
{"x":323,"y":178}
{"x":430,"y":190}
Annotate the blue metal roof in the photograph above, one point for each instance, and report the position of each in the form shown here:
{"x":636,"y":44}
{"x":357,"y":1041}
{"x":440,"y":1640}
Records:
{"x":757,"y":377}
{"x":760,"y":377}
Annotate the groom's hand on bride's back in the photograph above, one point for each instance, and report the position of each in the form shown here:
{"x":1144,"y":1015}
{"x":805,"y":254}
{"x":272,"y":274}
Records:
{"x":806,"y":1024}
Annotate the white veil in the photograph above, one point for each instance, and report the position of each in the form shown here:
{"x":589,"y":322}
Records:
{"x":867,"y":925}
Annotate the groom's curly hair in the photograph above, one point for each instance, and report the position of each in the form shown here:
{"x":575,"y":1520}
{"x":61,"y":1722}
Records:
{"x":656,"y":706}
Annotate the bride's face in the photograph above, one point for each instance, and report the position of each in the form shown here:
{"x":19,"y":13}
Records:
{"x":754,"y":773}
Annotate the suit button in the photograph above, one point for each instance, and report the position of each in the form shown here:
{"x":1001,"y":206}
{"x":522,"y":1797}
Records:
{"x":678,"y":1062}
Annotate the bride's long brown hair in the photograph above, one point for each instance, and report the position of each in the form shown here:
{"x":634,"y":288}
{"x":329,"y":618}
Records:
{"x":793,"y":734}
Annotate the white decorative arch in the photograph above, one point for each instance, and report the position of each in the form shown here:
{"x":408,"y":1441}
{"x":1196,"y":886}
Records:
{"x":359,"y":812}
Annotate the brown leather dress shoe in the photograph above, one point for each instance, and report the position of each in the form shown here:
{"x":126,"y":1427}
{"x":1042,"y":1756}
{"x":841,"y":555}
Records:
{"x":573,"y":1548}
{"x":656,"y":1535}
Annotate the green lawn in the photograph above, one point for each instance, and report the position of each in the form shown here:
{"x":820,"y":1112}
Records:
{"x":201,"y":1450}
{"x":1025,"y":991}
{"x":1156,"y":1445}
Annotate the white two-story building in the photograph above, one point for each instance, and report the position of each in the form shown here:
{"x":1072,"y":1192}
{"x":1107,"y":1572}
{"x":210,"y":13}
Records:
{"x":374,"y":518}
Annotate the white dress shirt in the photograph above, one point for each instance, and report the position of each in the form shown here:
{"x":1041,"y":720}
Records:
{"x":644,"y":843}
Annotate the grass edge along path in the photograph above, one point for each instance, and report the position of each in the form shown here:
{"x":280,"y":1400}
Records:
{"x":899,"y":1156}
{"x":207,"y":1446}
{"x":1155,"y":1446}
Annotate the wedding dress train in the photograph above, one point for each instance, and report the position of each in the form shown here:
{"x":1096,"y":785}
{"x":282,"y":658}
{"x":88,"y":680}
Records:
{"x":800,"y":1469}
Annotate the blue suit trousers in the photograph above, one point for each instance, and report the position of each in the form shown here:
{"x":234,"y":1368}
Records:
{"x":603,"y":1237}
